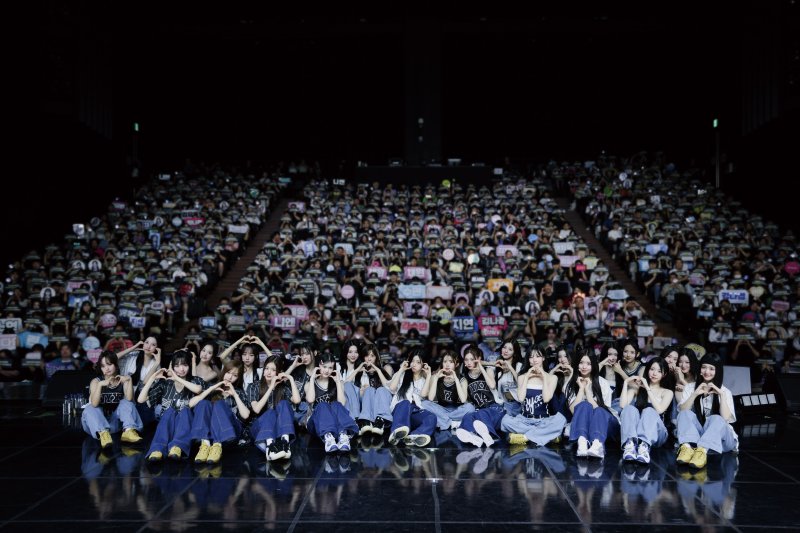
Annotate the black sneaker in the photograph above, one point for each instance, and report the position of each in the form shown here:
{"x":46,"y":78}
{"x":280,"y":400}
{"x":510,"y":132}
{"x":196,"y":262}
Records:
{"x":364,"y":427}
{"x":287,"y":449}
{"x":380,"y":425}
{"x":275,"y":451}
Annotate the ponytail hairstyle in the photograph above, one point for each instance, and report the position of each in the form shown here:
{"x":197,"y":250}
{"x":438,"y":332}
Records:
{"x":716,"y":360}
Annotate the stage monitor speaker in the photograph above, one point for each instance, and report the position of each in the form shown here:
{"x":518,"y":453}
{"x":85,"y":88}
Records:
{"x":66,"y":382}
{"x":789,"y":389}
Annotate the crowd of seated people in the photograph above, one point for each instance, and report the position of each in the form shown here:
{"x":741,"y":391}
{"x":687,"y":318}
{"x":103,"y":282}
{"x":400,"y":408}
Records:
{"x":133,"y":273}
{"x":726,"y":276}
{"x":433,"y":266}
{"x":413,"y":316}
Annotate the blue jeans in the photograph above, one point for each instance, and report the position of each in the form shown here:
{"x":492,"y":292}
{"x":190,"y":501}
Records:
{"x":331,"y":418}
{"x":491,"y":416}
{"x":646,"y":425}
{"x":215,"y":422}
{"x":447,"y":414}
{"x":593,"y":423}
{"x":418,"y":421}
{"x":716,"y":434}
{"x":274,"y":423}
{"x":124,"y":417}
{"x":174,"y":429}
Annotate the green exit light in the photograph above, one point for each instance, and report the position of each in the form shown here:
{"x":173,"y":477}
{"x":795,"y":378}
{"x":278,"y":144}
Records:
{"x":716,"y":123}
{"x":136,"y":125}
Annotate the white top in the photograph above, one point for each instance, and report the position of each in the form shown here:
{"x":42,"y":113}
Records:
{"x":507,"y":383}
{"x":413,"y":394}
{"x":706,"y":402}
{"x":605,"y":390}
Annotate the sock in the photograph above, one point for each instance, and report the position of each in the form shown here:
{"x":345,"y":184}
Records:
{"x":270,"y":441}
{"x":285,"y":437}
{"x":206,"y":442}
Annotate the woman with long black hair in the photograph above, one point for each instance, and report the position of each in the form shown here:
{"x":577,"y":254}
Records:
{"x":707,"y":412}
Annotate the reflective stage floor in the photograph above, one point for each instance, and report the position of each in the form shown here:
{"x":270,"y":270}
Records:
{"x":55,"y":479}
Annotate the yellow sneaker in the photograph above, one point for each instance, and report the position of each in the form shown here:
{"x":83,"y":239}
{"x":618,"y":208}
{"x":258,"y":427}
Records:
{"x":175,"y":453}
{"x":202,"y":453}
{"x":514,"y":449}
{"x":131,"y":436}
{"x":105,"y":439}
{"x":685,"y":475}
{"x":215,"y":454}
{"x":685,"y":453}
{"x":517,"y":438}
{"x":699,"y":458}
{"x":155,"y":456}
{"x":127,"y":451}
{"x":701,"y":476}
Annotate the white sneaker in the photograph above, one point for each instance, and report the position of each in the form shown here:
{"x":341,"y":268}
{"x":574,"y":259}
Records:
{"x":596,"y":450}
{"x":483,"y":433}
{"x":583,"y":447}
{"x":643,"y":453}
{"x":455,"y":424}
{"x":330,"y":443}
{"x":398,"y":435}
{"x":344,"y":442}
{"x":629,"y":451}
{"x":468,"y":437}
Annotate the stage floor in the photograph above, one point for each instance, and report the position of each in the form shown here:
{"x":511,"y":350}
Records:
{"x":55,"y":479}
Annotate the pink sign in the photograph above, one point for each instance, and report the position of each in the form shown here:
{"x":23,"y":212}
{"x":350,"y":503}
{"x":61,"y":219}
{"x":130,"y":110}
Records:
{"x":792,"y":268}
{"x":421,"y":325}
{"x":380,"y":271}
{"x":94,"y":355}
{"x":492,"y":326}
{"x":416,"y":272}
{"x":780,"y":305}
{"x":347,"y":291}
{"x":108,"y":320}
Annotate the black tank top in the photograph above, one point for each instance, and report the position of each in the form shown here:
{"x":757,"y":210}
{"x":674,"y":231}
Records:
{"x":447,"y":395}
{"x":110,"y":398}
{"x":479,"y":392}
{"x":325,"y":395}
